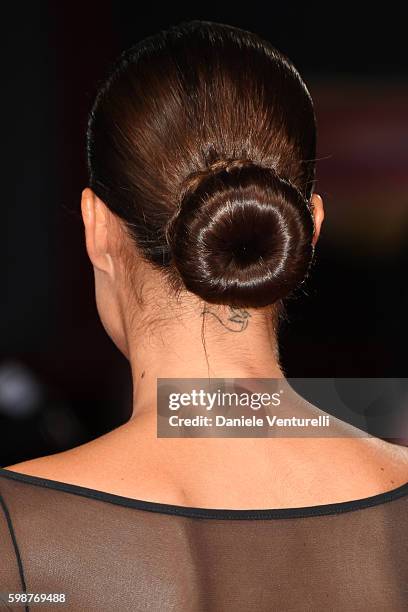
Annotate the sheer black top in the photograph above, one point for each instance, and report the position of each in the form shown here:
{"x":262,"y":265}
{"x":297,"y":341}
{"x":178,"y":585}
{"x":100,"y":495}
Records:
{"x":107,"y":552}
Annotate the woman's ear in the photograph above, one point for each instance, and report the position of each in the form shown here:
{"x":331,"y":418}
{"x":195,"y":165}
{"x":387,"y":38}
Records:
{"x":318,"y":214}
{"x":95,"y":216}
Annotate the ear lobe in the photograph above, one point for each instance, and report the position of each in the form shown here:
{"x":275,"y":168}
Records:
{"x":318,"y":214}
{"x":94,"y":216}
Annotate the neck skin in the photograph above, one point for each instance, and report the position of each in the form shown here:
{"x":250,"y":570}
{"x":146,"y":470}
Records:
{"x":200,"y":341}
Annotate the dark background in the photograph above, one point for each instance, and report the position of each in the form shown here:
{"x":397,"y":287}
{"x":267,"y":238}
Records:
{"x":62,"y":381}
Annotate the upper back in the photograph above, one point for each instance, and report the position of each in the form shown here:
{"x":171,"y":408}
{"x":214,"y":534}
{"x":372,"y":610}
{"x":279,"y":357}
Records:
{"x":106,"y":552}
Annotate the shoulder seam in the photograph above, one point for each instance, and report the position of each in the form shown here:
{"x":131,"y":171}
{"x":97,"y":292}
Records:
{"x":15,"y":545}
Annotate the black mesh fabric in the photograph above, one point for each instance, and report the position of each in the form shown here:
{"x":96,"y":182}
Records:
{"x":108,"y":552}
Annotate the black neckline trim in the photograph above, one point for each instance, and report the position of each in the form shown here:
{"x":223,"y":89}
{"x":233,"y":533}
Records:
{"x":212,"y":513}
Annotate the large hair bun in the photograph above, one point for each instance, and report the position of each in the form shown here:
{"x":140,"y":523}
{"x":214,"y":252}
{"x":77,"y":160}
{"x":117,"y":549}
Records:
{"x":242,"y":235}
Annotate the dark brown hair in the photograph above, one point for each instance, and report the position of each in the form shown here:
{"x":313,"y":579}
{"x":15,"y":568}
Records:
{"x":203,"y":140}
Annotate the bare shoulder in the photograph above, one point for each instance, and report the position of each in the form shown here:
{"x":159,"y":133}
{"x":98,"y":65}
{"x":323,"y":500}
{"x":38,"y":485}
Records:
{"x":396,"y":455}
{"x":52,"y":467}
{"x":378,"y":463}
{"x":110,"y":463}
{"x":66,"y":466}
{"x":323,"y":471}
